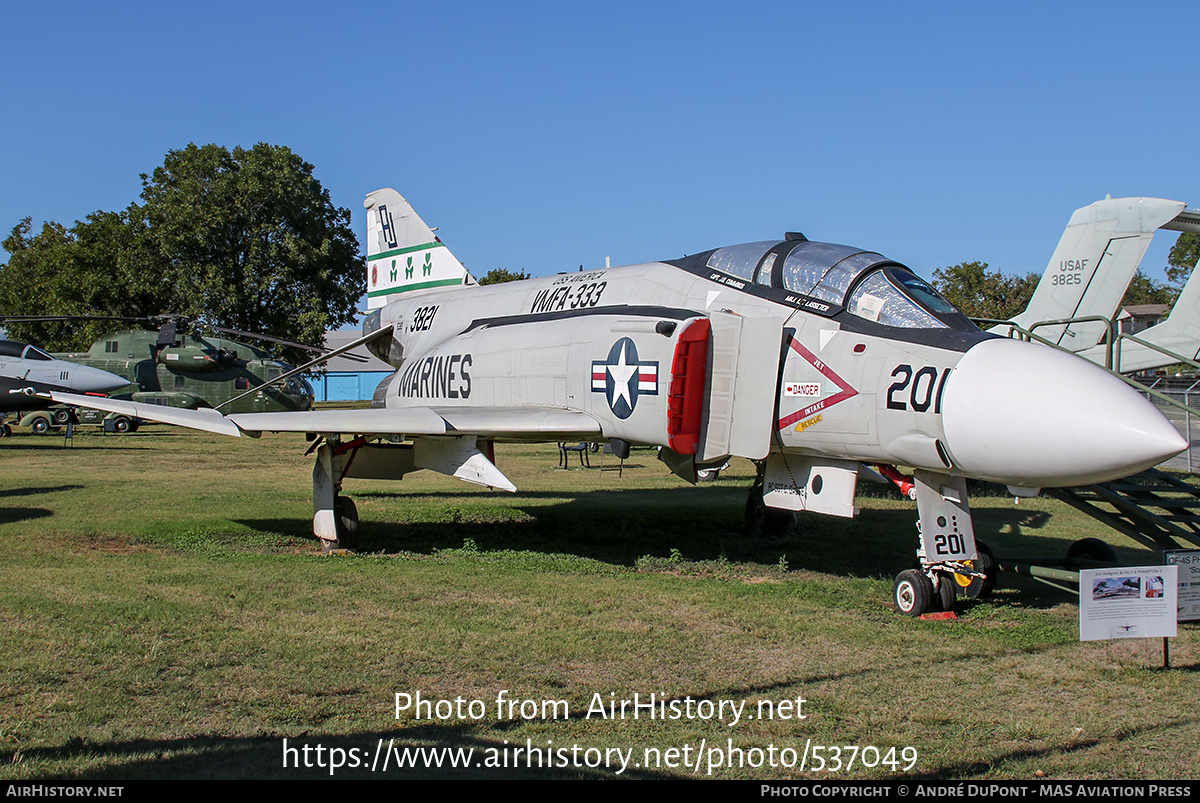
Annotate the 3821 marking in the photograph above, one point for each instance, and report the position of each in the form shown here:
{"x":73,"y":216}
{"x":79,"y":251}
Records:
{"x":924,"y":388}
{"x":423,"y":318}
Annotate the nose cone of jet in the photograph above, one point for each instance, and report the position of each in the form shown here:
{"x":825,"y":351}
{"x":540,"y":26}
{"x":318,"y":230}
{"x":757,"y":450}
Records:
{"x":92,"y":380}
{"x":1029,"y":415}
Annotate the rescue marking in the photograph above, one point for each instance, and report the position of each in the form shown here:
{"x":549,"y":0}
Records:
{"x":803,"y":425}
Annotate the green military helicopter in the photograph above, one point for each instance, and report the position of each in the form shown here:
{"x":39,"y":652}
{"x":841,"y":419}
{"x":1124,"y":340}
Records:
{"x":175,"y":366}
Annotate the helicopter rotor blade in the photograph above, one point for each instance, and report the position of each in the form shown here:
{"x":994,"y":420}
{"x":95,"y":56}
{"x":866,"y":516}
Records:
{"x":281,"y":341}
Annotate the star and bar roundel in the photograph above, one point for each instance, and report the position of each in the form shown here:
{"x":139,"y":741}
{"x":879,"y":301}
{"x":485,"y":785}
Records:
{"x":622,"y":377}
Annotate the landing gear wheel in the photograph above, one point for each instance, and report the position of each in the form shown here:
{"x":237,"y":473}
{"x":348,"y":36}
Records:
{"x":40,"y":426}
{"x":947,"y":591}
{"x":1092,"y":549}
{"x":345,"y":514}
{"x":763,"y":521}
{"x":979,"y":587}
{"x":913,"y":592}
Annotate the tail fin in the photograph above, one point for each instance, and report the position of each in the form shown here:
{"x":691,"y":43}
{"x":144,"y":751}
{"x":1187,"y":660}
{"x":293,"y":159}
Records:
{"x":1093,"y":264}
{"x":1179,"y":333}
{"x":403,"y":254}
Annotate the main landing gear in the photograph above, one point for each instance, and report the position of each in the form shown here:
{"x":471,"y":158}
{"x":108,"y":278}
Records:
{"x":763,"y":521}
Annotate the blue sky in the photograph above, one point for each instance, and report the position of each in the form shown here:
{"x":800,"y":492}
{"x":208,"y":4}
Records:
{"x":542,"y":136}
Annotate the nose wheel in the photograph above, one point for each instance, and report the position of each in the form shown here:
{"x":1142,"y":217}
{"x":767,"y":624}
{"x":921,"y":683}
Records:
{"x":916,"y":593}
{"x":912,"y":593}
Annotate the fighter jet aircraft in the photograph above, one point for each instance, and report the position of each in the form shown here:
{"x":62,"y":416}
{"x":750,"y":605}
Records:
{"x":26,"y":370}
{"x":812,"y":358}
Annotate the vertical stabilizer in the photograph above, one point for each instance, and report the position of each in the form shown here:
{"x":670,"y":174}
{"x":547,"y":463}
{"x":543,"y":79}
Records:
{"x":1092,"y":266}
{"x":1179,"y":333}
{"x":404,"y":256}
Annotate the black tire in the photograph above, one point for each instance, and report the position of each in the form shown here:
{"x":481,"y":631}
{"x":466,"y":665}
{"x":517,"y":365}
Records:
{"x":40,"y":426}
{"x":5,"y":431}
{"x":707,"y":474}
{"x":979,"y":587}
{"x":989,"y":567}
{"x":763,"y":521}
{"x":913,"y":593}
{"x":1092,"y":549}
{"x":345,"y":514}
{"x":947,"y":592}
{"x":122,"y":424}
{"x":61,"y":416}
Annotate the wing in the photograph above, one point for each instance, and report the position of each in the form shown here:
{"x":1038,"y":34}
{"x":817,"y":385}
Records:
{"x":205,"y":418}
{"x":504,"y":423}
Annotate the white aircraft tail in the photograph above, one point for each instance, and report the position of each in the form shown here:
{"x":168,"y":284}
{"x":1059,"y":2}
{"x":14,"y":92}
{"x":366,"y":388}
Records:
{"x":1179,"y":333}
{"x":1092,"y":266}
{"x":404,"y":256}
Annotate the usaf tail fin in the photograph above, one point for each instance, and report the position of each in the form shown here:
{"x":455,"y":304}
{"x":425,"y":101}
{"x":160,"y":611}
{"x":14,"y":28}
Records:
{"x":1093,"y":264}
{"x":403,"y":254}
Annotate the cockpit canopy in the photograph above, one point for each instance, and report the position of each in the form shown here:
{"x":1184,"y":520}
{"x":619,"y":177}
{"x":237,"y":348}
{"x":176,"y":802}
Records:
{"x":867,"y":284}
{"x":13,"y":348}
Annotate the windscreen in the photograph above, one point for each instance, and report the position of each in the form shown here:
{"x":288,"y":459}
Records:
{"x":881,"y":297}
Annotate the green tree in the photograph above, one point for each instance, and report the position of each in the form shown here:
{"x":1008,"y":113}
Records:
{"x":980,"y":294}
{"x":1183,"y":257}
{"x":246,"y":239}
{"x":501,"y":275}
{"x":255,"y":239}
{"x":1144,"y":290}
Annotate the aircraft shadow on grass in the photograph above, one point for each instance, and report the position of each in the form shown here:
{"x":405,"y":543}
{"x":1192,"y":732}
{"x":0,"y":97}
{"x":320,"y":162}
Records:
{"x":622,"y":527}
{"x":12,"y":515}
{"x":38,"y":490}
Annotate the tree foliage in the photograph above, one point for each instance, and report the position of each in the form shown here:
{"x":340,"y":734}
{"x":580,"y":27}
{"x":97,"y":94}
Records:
{"x":1144,"y":290}
{"x":246,"y":239}
{"x":1183,"y":257}
{"x":501,"y":275}
{"x":980,"y":294}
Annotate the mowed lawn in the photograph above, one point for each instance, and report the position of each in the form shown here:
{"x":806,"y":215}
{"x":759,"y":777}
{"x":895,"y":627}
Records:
{"x":165,"y":613}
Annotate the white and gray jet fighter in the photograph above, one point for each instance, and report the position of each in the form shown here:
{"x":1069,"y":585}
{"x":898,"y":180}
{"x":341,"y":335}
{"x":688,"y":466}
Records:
{"x":812,"y":358}
{"x":26,"y":370}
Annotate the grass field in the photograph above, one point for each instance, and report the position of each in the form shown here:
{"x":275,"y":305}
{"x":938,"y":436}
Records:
{"x":166,"y":614}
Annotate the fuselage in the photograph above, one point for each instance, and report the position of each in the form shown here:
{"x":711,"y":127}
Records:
{"x":809,"y":348}
{"x":24,"y":367}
